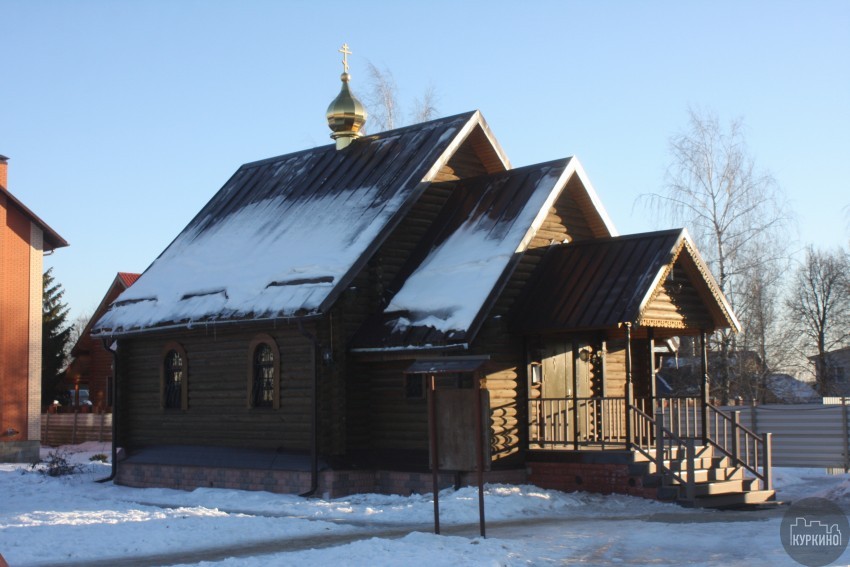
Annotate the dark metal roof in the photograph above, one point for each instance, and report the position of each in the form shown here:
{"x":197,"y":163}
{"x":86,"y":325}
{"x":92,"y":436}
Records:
{"x":490,"y":204}
{"x":447,"y":365}
{"x":594,"y":284}
{"x":313,"y":217}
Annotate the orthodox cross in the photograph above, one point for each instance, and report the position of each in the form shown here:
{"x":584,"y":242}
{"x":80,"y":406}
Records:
{"x":345,"y":53}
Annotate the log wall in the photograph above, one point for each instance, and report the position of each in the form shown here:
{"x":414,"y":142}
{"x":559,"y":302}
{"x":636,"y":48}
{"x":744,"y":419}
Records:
{"x":218,"y":360}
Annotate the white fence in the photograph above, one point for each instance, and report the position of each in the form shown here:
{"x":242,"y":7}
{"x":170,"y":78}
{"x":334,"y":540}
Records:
{"x":804,"y":435}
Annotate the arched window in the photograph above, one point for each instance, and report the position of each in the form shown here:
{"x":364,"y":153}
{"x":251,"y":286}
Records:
{"x":264,"y":373}
{"x":263,"y":394}
{"x":174,"y":377}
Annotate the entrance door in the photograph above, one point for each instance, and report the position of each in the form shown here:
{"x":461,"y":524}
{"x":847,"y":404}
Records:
{"x":555,"y":418}
{"x":567,"y":414}
{"x":586,"y":410}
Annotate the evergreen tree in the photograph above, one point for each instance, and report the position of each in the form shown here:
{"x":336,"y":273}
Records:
{"x":55,"y":333}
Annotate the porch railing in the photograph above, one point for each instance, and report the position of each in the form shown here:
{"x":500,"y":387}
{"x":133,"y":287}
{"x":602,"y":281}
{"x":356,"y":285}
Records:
{"x":682,"y":415}
{"x":743,"y":447}
{"x":664,"y":448}
{"x":675,"y":424}
{"x":577,"y":422}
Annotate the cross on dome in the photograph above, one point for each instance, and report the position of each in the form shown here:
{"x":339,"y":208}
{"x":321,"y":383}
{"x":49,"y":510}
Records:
{"x":345,"y":53}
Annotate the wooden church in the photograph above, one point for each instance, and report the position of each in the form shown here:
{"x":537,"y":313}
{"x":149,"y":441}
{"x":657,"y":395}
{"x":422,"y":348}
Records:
{"x":314,"y":328}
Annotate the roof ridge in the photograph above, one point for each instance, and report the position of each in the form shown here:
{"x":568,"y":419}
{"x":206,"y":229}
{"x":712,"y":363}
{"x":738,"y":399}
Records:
{"x":509,"y":172}
{"x":624,"y":237}
{"x":363,"y":139}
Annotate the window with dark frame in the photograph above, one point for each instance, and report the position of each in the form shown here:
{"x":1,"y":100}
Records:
{"x":174,"y":375}
{"x":262,"y":395}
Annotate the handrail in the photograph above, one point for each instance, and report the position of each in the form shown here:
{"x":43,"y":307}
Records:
{"x":662,"y":434}
{"x":756,"y":449}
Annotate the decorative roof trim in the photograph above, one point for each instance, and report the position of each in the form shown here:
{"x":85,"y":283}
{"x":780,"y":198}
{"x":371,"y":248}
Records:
{"x":684,"y":242}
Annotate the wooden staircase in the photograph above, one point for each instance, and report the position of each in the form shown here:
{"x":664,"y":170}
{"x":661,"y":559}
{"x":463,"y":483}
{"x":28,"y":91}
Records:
{"x":716,"y":463}
{"x":717,"y":483}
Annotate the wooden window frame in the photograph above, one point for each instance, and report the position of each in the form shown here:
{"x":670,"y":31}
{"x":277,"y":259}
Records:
{"x":184,"y":385}
{"x":252,"y":349}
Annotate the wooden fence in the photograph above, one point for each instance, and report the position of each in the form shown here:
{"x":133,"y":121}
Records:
{"x":72,"y":428}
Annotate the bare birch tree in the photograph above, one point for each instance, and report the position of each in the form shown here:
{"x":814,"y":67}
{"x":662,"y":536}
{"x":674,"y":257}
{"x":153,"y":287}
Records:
{"x":819,"y":308}
{"x":425,"y":108}
{"x":715,"y":189}
{"x":381,"y":101}
{"x":765,"y":334}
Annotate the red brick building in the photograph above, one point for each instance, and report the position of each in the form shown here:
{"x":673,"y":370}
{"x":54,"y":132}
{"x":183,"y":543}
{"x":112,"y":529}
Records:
{"x":23,"y":240}
{"x":91,"y":367}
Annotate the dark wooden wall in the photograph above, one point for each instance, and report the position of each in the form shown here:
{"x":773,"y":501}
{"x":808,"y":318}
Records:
{"x":362,"y":405}
{"x":217,"y":414}
{"x":378,"y":417}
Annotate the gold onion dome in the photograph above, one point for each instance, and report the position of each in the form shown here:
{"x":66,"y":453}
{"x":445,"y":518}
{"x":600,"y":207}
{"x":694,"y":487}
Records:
{"x":346,"y":114}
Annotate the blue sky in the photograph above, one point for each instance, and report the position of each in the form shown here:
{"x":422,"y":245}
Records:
{"x":121,"y":119}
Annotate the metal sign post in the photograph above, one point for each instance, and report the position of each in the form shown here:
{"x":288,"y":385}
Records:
{"x":435,"y":459}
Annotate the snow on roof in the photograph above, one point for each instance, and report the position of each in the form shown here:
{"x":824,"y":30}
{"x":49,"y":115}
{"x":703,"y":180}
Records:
{"x":451,"y":285}
{"x":283,"y":233}
{"x":791,"y":390}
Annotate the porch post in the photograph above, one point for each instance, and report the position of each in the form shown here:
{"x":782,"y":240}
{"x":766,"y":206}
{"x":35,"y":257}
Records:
{"x":629,"y":386}
{"x":479,"y":449}
{"x":435,"y":459}
{"x":653,"y":388}
{"x":704,"y":385}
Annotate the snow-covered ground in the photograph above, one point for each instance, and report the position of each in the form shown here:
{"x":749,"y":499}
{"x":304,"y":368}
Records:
{"x":73,"y":520}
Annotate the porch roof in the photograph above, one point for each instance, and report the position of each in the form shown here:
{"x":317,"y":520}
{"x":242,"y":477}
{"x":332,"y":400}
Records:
{"x":447,"y":365}
{"x":601,"y":283}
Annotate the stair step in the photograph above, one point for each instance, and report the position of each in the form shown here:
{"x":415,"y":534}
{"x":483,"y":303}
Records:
{"x":751,"y":499}
{"x":676,"y":453}
{"x":700,"y":476}
{"x":726,"y":473}
{"x":721,"y":461}
{"x":724,"y":487}
{"x":682,"y":465}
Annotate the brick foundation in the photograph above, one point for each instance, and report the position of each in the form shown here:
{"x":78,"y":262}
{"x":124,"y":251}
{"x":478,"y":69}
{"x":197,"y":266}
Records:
{"x":187,"y":468}
{"x":332,"y":484}
{"x":592,"y":472}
